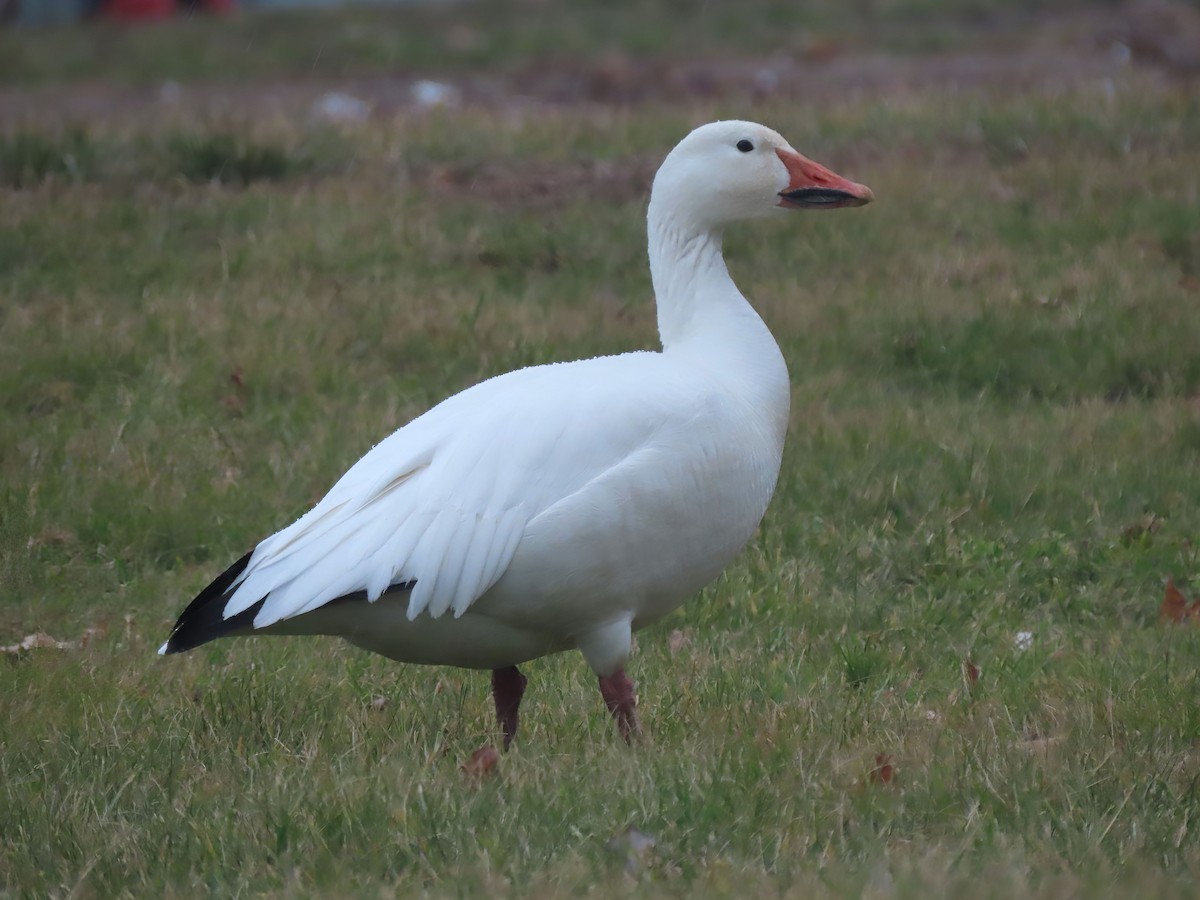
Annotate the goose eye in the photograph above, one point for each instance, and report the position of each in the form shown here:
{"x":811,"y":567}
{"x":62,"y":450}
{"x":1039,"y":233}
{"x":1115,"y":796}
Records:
{"x":745,"y":146}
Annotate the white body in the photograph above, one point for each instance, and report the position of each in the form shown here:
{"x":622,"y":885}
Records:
{"x":565,"y":505}
{"x":598,"y":493}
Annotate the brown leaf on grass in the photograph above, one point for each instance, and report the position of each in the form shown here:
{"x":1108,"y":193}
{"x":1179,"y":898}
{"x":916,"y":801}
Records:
{"x":482,"y":763}
{"x":1174,"y":606}
{"x":676,"y":641}
{"x":971,"y":671}
{"x":37,"y":641}
{"x":884,"y":771}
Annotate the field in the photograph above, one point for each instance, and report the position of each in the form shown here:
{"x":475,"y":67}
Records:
{"x":938,"y":669}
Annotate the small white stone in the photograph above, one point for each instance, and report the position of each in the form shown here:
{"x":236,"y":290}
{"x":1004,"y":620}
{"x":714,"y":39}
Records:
{"x":434,"y":93}
{"x":1023,"y":640}
{"x":339,"y":107}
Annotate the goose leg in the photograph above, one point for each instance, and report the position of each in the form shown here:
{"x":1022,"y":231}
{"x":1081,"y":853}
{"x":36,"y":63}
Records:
{"x":621,"y":700}
{"x":606,"y":648}
{"x":508,"y":686}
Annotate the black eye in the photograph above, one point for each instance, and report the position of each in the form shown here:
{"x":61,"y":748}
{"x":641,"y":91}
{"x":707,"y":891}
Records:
{"x":745,"y":146}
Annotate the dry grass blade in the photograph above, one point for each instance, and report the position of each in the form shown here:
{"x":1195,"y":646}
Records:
{"x":39,"y":640}
{"x":482,"y":764}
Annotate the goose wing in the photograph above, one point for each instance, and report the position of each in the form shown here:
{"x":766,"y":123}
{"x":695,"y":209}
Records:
{"x":441,"y":505}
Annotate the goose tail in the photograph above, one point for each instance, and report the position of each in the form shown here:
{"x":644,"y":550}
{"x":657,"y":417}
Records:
{"x":204,"y":619}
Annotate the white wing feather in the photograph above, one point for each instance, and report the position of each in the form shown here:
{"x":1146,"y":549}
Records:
{"x":444,"y":501}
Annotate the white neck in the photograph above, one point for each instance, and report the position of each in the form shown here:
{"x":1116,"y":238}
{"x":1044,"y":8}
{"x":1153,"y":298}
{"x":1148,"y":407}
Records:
{"x":696,"y":297}
{"x":689,"y":277}
{"x":702,"y":312}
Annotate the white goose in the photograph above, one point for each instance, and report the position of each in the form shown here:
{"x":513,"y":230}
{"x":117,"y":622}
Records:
{"x":560,"y":506}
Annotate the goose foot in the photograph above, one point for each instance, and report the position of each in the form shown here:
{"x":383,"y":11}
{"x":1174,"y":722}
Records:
{"x":621,"y":700}
{"x":508,"y":686}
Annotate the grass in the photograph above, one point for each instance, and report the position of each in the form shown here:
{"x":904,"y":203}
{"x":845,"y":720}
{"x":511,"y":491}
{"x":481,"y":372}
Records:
{"x":29,"y":158}
{"x":995,"y":430}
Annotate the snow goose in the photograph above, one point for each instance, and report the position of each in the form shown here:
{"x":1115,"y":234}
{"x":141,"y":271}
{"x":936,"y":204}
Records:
{"x":559,"y":506}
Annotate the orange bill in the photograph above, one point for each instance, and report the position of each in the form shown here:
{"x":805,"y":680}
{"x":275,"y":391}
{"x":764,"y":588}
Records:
{"x":812,"y":186}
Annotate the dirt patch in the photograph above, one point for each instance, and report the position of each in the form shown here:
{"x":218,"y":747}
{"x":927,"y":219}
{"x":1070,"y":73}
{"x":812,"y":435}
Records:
{"x":542,"y":185}
{"x":1160,"y":32}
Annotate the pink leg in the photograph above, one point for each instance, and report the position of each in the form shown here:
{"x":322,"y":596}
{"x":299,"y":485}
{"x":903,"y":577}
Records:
{"x":619,"y":697}
{"x":508,"y":686}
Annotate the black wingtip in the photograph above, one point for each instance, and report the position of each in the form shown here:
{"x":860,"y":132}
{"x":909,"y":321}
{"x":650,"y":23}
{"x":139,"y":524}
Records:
{"x":204,"y":619}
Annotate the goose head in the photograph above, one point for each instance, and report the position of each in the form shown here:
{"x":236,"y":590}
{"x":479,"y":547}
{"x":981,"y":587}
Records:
{"x":728,"y":171}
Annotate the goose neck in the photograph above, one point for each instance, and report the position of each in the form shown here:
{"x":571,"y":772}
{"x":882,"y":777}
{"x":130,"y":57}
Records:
{"x":702,"y":316}
{"x":695,"y":295}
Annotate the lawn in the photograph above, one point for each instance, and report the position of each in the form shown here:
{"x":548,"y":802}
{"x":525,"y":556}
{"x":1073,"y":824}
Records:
{"x":938,"y":669}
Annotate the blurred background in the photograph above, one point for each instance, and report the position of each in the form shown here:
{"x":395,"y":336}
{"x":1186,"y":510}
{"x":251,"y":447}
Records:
{"x":593,"y":50}
{"x":307,"y":70}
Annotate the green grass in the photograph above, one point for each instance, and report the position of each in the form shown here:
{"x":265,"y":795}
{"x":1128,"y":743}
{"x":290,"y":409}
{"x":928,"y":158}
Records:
{"x":995,"y":429}
{"x":29,"y":158}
